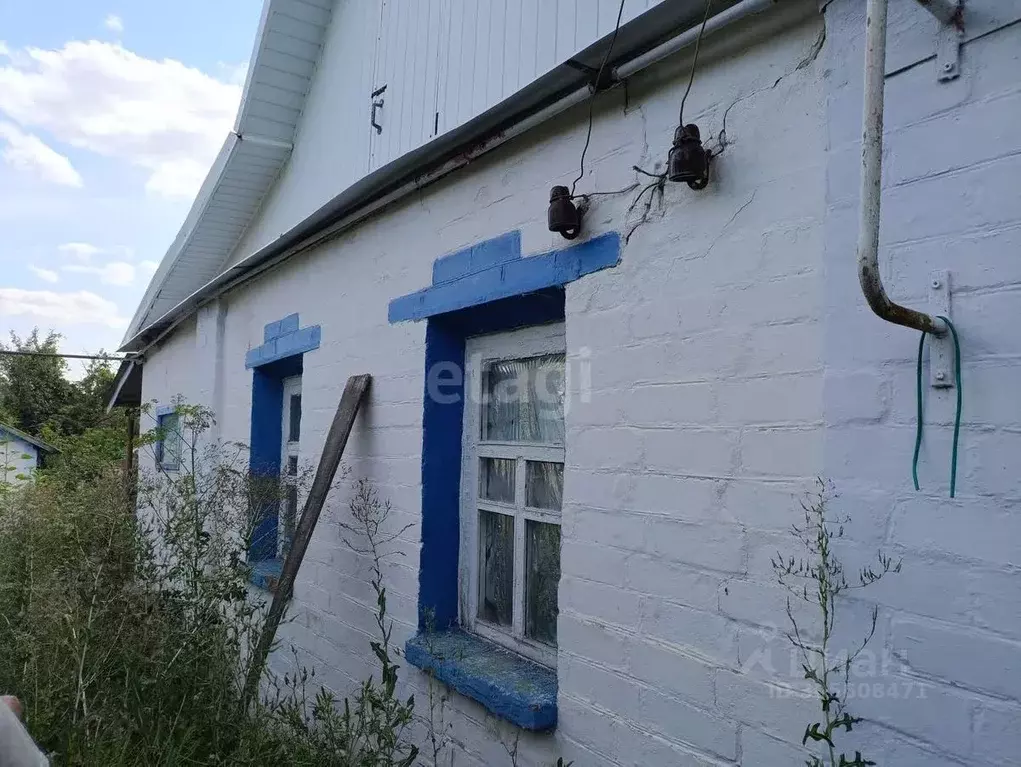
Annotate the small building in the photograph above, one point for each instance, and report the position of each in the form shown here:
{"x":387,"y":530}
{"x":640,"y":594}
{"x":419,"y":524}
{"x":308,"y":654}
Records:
{"x":597,"y":415}
{"x":20,"y":455}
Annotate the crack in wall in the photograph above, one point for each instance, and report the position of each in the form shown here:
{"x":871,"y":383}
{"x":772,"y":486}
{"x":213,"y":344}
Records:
{"x":722,"y":140}
{"x":729,"y":223}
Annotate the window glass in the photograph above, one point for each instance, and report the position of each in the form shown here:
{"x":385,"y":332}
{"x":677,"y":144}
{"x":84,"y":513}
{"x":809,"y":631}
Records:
{"x":544,"y":485}
{"x":294,"y":421}
{"x":169,"y":447}
{"x":292,"y":466}
{"x":524,"y":400}
{"x":512,"y":508}
{"x":542,"y":576}
{"x":496,"y":568}
{"x":496,"y":479}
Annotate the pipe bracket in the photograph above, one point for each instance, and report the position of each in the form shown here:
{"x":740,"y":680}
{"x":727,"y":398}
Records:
{"x":941,"y":347}
{"x":949,"y":37}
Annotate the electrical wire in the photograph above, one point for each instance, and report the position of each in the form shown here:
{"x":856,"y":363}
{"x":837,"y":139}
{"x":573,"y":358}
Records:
{"x":694,"y":61}
{"x":957,"y":416}
{"x":625,"y":190}
{"x":592,"y":96}
{"x":960,"y":401}
{"x":648,"y":173}
{"x":27,"y":353}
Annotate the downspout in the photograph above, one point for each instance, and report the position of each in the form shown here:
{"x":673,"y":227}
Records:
{"x":872,"y":181}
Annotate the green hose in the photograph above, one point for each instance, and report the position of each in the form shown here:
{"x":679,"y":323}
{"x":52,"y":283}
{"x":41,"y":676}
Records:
{"x":957,"y":417}
{"x":918,"y":418}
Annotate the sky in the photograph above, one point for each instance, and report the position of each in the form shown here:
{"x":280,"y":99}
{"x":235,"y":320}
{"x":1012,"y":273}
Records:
{"x":111,"y":112}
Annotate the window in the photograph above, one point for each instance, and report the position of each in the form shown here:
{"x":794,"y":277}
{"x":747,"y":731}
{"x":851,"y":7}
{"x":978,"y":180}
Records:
{"x":168,"y":448}
{"x":512,"y":488}
{"x":291,"y":432}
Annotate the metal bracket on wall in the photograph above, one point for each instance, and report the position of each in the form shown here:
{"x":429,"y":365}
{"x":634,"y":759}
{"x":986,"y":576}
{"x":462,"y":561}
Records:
{"x":941,"y":348}
{"x":949,"y":38}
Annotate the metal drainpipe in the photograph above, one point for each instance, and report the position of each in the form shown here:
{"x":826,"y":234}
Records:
{"x":872,"y":181}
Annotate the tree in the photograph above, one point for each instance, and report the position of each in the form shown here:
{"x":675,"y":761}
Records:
{"x":34,"y":390}
{"x":37,"y":397}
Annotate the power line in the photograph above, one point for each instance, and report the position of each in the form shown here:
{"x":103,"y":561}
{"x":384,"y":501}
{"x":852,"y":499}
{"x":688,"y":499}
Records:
{"x":694,"y":61}
{"x":595,"y":90}
{"x":105,"y":357}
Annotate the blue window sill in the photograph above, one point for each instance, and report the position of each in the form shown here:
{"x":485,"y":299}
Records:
{"x":509,"y":686}
{"x":266,"y":573}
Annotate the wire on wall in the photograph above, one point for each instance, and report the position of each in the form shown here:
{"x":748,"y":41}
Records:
{"x":592,"y":97}
{"x":694,"y":60}
{"x":658,"y":184}
{"x":957,"y":417}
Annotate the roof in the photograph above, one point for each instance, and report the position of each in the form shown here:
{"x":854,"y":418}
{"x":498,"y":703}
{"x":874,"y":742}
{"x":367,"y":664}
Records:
{"x":127,"y":385}
{"x":287,"y":47}
{"x":44,"y":446}
{"x":178,"y":291}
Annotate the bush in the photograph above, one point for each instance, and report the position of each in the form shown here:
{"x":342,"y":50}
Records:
{"x":127,"y":635}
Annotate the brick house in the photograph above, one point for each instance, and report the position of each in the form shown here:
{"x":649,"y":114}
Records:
{"x":599,"y":442}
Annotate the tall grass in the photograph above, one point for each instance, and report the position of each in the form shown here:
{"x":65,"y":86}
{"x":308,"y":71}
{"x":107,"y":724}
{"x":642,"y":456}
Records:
{"x":126,"y":623}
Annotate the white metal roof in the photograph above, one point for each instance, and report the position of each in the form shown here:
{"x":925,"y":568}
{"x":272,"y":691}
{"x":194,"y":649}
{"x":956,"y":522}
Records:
{"x":287,"y":47}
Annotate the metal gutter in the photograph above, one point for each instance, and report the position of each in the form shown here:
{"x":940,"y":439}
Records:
{"x":723,"y":18}
{"x":568,"y":85}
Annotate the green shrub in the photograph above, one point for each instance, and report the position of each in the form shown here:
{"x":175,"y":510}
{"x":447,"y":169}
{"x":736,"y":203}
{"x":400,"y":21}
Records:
{"x":126,"y":634}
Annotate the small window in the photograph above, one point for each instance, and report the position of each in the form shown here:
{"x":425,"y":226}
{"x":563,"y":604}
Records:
{"x":514,"y":479}
{"x":168,"y":448}
{"x":290,"y":429}
{"x":294,"y":423}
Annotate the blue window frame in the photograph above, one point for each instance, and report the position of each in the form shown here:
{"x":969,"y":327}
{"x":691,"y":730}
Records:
{"x":280,"y":358}
{"x":168,"y":448}
{"x":486,"y":288}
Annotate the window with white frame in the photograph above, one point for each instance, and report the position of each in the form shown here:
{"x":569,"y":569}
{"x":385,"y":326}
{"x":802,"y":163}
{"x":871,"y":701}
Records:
{"x":291,"y":436}
{"x":512,"y":488}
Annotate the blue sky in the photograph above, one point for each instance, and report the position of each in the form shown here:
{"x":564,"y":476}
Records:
{"x":110,"y":114}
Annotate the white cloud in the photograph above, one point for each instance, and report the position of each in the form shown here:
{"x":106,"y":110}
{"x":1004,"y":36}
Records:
{"x":118,"y":273}
{"x":233,"y":73}
{"x":148,"y":266}
{"x":162,"y":116}
{"x":82,"y":251}
{"x":182,"y":179}
{"x":114,"y":23}
{"x":81,"y":307}
{"x":46,"y":275}
{"x":28,"y":153}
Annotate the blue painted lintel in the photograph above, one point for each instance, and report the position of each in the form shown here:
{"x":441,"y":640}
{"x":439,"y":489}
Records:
{"x":509,"y":686}
{"x":281,"y":327}
{"x":490,"y":272}
{"x":288,"y":344}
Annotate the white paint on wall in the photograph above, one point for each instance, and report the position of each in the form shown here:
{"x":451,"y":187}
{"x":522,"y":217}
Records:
{"x":732,"y":360}
{"x":18,"y":459}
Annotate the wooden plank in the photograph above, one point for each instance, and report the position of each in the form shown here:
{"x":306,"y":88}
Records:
{"x":333,"y":451}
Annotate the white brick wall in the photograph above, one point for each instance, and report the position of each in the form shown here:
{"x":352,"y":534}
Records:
{"x":732,"y":361}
